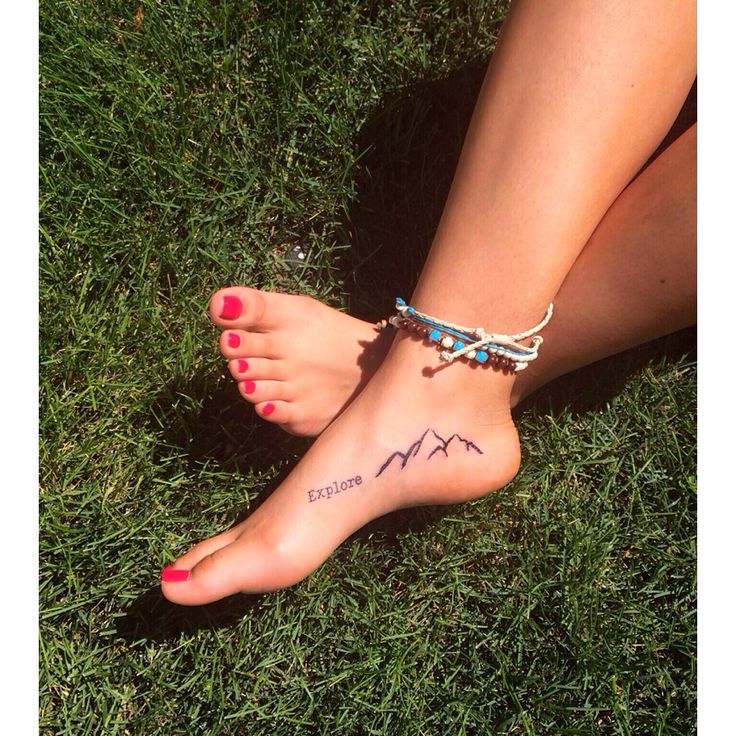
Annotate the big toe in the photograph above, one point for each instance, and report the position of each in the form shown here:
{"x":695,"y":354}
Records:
{"x":246,"y":565}
{"x":241,"y":307}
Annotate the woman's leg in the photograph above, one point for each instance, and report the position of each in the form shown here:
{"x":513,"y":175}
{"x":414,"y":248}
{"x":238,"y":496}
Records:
{"x":575,"y":101}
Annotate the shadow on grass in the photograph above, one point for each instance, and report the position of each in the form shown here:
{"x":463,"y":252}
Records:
{"x":410,"y":149}
{"x":152,"y":618}
{"x":216,"y":424}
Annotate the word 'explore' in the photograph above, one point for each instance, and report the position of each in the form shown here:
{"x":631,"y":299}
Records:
{"x":332,"y":490}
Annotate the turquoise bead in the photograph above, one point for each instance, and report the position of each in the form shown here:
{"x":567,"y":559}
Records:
{"x":458,"y":344}
{"x":434,"y":335}
{"x":481,"y":356}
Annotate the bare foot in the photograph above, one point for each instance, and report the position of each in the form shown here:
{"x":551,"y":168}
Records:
{"x":297,"y":360}
{"x":411,"y":437}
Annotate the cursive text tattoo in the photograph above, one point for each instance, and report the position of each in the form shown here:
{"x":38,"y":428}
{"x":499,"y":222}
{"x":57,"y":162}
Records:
{"x":333,"y":489}
{"x":426,"y":447}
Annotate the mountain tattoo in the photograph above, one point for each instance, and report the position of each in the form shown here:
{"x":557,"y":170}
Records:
{"x":428,"y":445}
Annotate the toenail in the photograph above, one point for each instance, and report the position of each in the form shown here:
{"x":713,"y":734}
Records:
{"x":169,"y":575}
{"x":242,"y":365}
{"x":249,"y":386}
{"x":233,"y":340}
{"x":267,"y":409}
{"x":231,"y":307}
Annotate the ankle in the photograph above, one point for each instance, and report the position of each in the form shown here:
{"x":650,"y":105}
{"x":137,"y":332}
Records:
{"x":413,"y":369}
{"x":474,"y":347}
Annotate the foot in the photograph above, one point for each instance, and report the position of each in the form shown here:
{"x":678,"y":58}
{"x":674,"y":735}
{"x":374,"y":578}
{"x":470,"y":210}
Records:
{"x":411,"y":437}
{"x":298,"y":361}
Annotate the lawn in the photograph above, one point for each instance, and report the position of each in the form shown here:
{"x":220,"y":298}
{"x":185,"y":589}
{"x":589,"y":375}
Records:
{"x":186,"y":145}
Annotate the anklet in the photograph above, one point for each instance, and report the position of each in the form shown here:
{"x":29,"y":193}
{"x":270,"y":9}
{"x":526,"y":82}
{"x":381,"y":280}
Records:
{"x":472,"y":343}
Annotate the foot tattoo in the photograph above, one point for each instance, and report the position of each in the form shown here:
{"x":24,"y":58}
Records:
{"x":435,"y":442}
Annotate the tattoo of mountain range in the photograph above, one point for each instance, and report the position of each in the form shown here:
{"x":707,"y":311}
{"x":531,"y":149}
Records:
{"x":426,"y":447}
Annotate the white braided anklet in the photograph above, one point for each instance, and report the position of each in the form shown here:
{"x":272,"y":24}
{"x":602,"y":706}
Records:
{"x":473,"y":343}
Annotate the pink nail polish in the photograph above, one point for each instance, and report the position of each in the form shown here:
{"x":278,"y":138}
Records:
{"x":242,"y":365}
{"x":231,"y":307}
{"x":249,"y":386}
{"x":169,"y":575}
{"x":233,"y":340}
{"x":267,"y":409}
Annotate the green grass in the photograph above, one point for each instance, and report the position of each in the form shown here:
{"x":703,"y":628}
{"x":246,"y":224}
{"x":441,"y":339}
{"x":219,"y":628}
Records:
{"x":191,"y":152}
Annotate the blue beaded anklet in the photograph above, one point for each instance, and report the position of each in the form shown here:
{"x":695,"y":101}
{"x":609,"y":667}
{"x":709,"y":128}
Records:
{"x":472,"y":343}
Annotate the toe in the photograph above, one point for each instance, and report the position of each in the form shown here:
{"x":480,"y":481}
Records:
{"x":246,"y":565}
{"x":212,"y":577}
{"x":241,"y":344}
{"x":241,"y":307}
{"x":261,"y":391}
{"x":275,"y":410}
{"x":290,"y":417}
{"x":257,"y":369}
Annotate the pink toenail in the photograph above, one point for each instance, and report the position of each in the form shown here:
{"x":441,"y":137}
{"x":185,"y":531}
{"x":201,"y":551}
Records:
{"x":233,"y":340}
{"x":231,"y":307}
{"x":242,"y":365}
{"x":267,"y":409}
{"x":169,"y":575}
{"x":249,"y":387}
